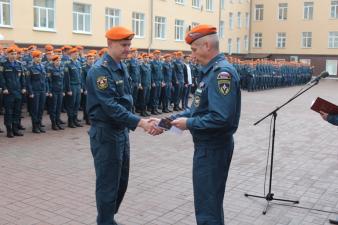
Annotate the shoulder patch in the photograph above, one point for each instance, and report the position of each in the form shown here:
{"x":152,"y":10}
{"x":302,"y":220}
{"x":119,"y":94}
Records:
{"x":224,"y":82}
{"x":102,"y":82}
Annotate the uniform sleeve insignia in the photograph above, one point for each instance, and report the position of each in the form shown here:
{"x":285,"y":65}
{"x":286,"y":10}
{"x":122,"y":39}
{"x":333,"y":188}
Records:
{"x":102,"y":82}
{"x":66,"y":69}
{"x":1,"y":68}
{"x":224,"y":81}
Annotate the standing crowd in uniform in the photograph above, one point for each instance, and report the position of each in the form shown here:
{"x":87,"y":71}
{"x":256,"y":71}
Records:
{"x":54,"y":80}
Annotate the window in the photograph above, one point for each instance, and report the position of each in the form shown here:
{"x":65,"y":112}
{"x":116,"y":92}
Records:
{"x":259,"y":11}
{"x":160,"y":25}
{"x":44,"y":14}
{"x":238,"y":45}
{"x":246,"y":42}
{"x":180,"y":2}
{"x":231,"y":21}
{"x":306,"y":39}
{"x":229,"y":46}
{"x":196,"y":3}
{"x":281,"y":40}
{"x":305,"y":61}
{"x":210,"y":5}
{"x":5,"y":13}
{"x":81,"y":18}
{"x":222,"y":4}
{"x":331,"y":66}
{"x":247,"y":20}
{"x":194,"y":24}
{"x":308,"y":10}
{"x":112,"y":17}
{"x":333,"y":39}
{"x":258,"y":40}
{"x":179,"y":30}
{"x":221,"y":29}
{"x":239,"y":20}
{"x":334,"y":9}
{"x":138,"y":24}
{"x":282,"y":11}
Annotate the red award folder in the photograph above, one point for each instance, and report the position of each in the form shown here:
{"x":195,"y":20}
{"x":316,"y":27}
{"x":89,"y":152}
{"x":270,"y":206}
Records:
{"x":322,"y":105}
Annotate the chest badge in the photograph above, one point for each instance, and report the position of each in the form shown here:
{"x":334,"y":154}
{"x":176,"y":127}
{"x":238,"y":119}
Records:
{"x":224,"y":81}
{"x":102,"y":82}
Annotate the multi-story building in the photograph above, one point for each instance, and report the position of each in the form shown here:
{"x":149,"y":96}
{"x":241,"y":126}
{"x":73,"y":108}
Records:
{"x":302,"y":30}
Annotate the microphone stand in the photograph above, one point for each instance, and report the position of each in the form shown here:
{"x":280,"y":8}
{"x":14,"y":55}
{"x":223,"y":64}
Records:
{"x":270,"y":196}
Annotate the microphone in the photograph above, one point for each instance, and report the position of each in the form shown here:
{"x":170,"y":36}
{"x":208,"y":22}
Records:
{"x":321,"y":75}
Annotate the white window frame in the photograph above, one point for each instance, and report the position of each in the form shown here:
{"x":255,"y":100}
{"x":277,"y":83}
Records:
{"x":306,"y":39}
{"x":239,"y":20}
{"x":179,"y":30}
{"x":259,"y":12}
{"x":246,"y":42}
{"x":196,"y":4}
{"x":308,"y":10}
{"x":2,"y":14}
{"x":247,"y":20}
{"x":258,"y":40}
{"x":238,"y":45}
{"x":112,"y":17}
{"x":283,"y":11}
{"x":160,"y":27}
{"x":180,"y":2}
{"x":334,"y":9}
{"x":82,"y":14}
{"x":221,"y":29}
{"x":229,"y":46}
{"x":331,"y":66}
{"x":281,"y":40}
{"x":222,"y":4}
{"x":47,"y":11}
{"x":231,"y":21}
{"x":333,"y":39}
{"x":209,"y":5}
{"x":138,"y":24}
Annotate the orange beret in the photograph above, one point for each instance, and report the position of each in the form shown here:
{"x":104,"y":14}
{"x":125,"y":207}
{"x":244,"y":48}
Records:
{"x":198,"y":32}
{"x":31,"y":47}
{"x":36,"y":54}
{"x":58,"y":50}
{"x":79,"y":47}
{"x":55,"y":57}
{"x":133,"y":49}
{"x":167,"y":55}
{"x":90,"y":55}
{"x":49,"y":47}
{"x":145,"y":55}
{"x":24,"y":49}
{"x":49,"y":52}
{"x":11,"y":49}
{"x":179,"y":53}
{"x":73,"y":50}
{"x":102,"y":51}
{"x":92,"y":51}
{"x":119,"y":33}
{"x":156,"y":52}
{"x":65,"y":47}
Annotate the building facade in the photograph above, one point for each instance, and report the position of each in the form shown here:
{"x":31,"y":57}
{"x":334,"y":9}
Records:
{"x":300,"y":30}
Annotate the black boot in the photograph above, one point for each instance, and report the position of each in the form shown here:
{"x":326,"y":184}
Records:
{"x":41,"y":128}
{"x":9,"y":131}
{"x":20,"y":127}
{"x":54,"y":127}
{"x":71,"y":123}
{"x":59,"y":126}
{"x":61,"y":122}
{"x":144,"y":113}
{"x":35,"y":128}
{"x":76,"y":123}
{"x":16,"y":131}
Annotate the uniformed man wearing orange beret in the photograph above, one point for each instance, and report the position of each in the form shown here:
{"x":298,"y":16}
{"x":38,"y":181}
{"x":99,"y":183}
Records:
{"x":109,"y":105}
{"x":212,"y":120}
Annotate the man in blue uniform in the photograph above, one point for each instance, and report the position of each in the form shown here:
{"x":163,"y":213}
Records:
{"x":212,"y":121}
{"x":109,"y":105}
{"x":145,"y":85}
{"x":12,"y":83}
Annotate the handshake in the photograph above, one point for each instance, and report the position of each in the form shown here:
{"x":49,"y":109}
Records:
{"x":156,"y":126}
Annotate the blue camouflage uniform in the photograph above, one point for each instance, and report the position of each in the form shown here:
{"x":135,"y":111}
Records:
{"x":109,"y":105}
{"x":212,"y":121}
{"x":134,"y":71}
{"x":146,"y":86}
{"x":157,"y":79}
{"x":178,"y":80}
{"x":37,"y":85}
{"x":167,"y":76}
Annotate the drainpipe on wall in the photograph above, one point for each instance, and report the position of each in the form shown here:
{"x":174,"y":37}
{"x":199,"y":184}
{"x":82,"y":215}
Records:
{"x":151,"y":25}
{"x":219,"y":16}
{"x":250,"y":26}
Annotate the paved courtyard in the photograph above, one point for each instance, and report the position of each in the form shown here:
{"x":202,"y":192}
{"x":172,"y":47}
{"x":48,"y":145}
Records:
{"x":49,"y":178}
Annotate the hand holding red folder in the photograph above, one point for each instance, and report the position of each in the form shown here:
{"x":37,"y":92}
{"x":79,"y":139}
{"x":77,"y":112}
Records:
{"x":321,"y":105}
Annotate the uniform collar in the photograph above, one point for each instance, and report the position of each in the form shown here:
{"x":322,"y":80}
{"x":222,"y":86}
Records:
{"x":107,"y":60}
{"x":210,"y":64}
